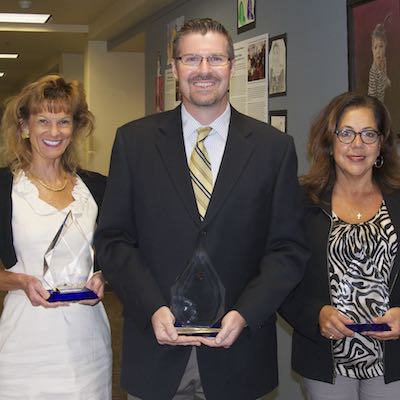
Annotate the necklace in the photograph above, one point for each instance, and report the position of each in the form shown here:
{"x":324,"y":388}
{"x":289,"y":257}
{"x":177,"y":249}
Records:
{"x":48,"y":187}
{"x":359,"y":215}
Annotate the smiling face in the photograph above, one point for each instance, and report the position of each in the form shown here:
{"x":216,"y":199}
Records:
{"x":203,"y":87}
{"x":49,"y":134}
{"x":356,"y":159}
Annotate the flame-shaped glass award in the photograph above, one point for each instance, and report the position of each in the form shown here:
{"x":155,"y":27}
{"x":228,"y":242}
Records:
{"x":68,"y":263}
{"x":363,"y":299}
{"x":198,"y":297}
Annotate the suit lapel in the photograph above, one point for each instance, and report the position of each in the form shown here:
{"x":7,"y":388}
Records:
{"x":237,"y":152}
{"x":393,"y":204}
{"x":170,"y":144}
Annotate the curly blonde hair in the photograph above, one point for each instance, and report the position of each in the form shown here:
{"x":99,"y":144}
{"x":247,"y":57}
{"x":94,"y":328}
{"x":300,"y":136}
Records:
{"x":53,"y":94}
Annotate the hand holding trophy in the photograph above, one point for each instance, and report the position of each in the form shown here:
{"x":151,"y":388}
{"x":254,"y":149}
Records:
{"x":68,"y":263}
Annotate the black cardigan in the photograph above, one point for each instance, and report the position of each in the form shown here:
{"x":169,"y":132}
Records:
{"x":312,"y":353}
{"x":93,"y":180}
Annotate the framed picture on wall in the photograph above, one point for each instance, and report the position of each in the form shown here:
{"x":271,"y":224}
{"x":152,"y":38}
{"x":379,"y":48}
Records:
{"x":277,"y":65}
{"x":246,"y":15}
{"x":278,"y":119}
{"x":374,"y":51}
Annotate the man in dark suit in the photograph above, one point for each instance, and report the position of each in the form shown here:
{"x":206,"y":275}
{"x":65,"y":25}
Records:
{"x":153,"y":215}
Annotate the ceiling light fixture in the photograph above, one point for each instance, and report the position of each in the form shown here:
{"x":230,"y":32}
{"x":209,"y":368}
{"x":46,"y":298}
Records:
{"x":2,"y":74}
{"x":24,"y":18}
{"x":10,"y":55}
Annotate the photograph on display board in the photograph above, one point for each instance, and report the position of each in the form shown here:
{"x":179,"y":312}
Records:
{"x":256,"y":61}
{"x":246,"y":15}
{"x":278,"y":119}
{"x":277,"y":65}
{"x":374,"y":51}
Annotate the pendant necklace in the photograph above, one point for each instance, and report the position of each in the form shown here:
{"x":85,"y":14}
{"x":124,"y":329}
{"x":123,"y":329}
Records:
{"x":359,"y":215}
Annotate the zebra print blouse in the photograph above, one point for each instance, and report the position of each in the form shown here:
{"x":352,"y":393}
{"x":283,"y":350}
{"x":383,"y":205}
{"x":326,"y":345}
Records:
{"x":360,"y":258}
{"x":377,"y":83}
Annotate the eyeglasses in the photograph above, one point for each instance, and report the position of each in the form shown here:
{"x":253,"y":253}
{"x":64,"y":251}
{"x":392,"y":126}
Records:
{"x":347,"y":135}
{"x":194,"y":60}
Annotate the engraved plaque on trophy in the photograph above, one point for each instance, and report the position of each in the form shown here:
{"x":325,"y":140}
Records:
{"x":198,"y":297}
{"x":68,"y":263}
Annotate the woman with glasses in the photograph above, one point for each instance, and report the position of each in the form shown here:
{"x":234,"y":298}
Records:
{"x":346,"y":311}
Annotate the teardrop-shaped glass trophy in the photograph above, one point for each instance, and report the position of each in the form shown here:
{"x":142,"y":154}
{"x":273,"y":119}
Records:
{"x":68,"y":263}
{"x":198,"y":297}
{"x":363,"y":299}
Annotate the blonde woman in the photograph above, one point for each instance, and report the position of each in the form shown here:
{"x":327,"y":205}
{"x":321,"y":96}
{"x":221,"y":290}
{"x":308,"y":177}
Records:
{"x":48,"y":350}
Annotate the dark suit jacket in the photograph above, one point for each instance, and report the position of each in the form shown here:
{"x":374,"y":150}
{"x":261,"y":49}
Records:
{"x":148,"y":230}
{"x":93,"y":180}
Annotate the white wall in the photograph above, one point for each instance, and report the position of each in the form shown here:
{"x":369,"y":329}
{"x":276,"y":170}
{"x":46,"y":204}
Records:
{"x":115,"y":89}
{"x":71,"y":66}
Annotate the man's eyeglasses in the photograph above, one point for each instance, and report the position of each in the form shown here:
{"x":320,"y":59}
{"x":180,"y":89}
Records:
{"x":194,"y":60}
{"x":347,"y":135}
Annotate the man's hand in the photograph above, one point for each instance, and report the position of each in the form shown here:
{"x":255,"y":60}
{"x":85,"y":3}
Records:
{"x":165,"y":332}
{"x":232,"y":325}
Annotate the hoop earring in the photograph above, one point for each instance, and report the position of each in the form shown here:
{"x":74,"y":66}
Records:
{"x":379,"y":161}
{"x":25,"y":134}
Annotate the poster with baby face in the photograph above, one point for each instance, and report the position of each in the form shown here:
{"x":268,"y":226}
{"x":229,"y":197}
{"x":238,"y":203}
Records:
{"x":374,"y":51}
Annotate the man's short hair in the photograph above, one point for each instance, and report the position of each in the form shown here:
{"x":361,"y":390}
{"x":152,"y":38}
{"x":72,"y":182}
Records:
{"x":202,"y":26}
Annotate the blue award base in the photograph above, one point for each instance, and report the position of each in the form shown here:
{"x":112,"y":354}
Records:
{"x":71,"y":295}
{"x":369,"y":327}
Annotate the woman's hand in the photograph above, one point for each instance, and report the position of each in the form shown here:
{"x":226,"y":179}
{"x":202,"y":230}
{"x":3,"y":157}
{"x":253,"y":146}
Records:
{"x":332,"y":323}
{"x":36,"y":293}
{"x":96,"y":283}
{"x":392,"y":318}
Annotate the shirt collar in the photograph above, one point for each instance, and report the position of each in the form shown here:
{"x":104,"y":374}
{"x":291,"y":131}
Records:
{"x":220,"y":125}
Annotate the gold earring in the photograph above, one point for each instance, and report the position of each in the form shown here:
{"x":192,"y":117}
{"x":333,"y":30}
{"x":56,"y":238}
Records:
{"x":25,"y":134}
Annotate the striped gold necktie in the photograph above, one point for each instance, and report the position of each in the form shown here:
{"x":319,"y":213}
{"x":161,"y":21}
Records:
{"x":200,"y":172}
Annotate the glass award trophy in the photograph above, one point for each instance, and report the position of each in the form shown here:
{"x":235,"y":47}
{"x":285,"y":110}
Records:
{"x":363,"y":299}
{"x":68,"y":263}
{"x":198,"y":297}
